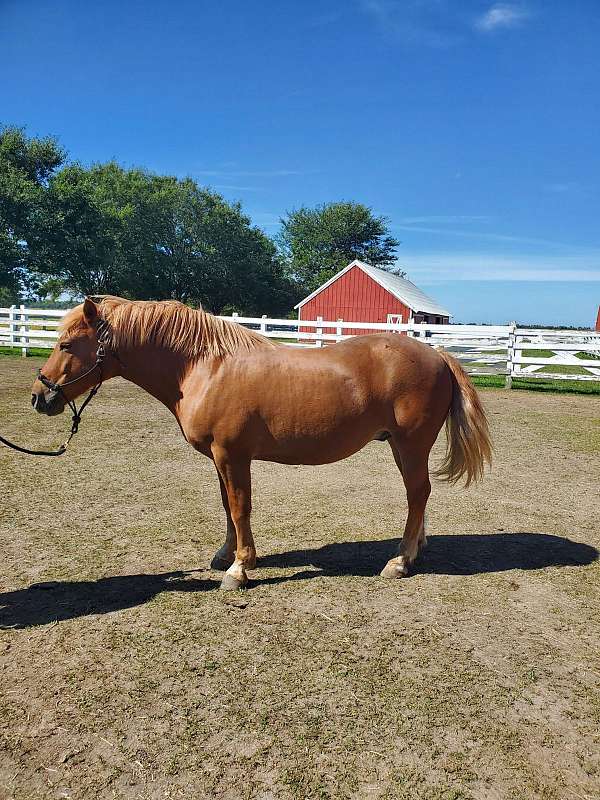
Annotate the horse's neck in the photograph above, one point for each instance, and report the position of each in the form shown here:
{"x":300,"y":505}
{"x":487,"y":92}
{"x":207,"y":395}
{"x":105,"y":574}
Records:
{"x":157,"y":371}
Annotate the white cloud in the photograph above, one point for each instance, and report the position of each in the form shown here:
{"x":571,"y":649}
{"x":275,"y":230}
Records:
{"x":492,"y":237}
{"x":414,"y":22}
{"x":502,"y":15}
{"x":435,"y":266}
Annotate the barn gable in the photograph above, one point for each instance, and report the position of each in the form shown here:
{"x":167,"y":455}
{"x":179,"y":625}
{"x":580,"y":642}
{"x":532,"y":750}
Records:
{"x":363,"y":293}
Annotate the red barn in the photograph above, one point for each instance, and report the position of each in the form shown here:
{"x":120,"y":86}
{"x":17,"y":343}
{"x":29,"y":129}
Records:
{"x":362,"y":293}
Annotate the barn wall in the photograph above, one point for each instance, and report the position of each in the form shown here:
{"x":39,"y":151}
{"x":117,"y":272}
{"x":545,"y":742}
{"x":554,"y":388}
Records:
{"x":354,"y":297}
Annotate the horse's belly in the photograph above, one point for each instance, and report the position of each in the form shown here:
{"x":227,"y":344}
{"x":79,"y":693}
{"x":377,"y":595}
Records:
{"x":316,"y":449}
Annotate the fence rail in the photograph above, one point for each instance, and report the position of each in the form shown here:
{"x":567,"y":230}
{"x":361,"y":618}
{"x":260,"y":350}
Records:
{"x":483,"y":349}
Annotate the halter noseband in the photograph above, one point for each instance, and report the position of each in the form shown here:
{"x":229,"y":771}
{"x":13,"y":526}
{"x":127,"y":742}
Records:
{"x":57,"y":389}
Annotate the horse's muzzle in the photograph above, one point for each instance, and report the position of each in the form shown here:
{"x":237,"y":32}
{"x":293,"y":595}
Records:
{"x":48,"y":403}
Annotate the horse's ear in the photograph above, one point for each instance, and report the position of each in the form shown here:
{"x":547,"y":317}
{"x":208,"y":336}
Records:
{"x":90,"y":311}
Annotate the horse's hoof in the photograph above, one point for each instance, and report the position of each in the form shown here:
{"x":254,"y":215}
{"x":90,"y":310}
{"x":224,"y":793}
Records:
{"x":231,"y":583}
{"x":221,"y":564}
{"x":394,"y":569}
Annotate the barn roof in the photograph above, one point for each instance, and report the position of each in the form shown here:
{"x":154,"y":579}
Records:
{"x":403,"y":289}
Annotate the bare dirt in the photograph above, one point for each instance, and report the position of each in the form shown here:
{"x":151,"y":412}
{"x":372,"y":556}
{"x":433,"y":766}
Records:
{"x":125,"y":673}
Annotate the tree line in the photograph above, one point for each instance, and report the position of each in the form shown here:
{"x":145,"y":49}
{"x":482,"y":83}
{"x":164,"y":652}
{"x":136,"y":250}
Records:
{"x":105,"y":229}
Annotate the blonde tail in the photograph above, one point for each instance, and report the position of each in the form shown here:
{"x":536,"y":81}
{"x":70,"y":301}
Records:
{"x":469,"y":446}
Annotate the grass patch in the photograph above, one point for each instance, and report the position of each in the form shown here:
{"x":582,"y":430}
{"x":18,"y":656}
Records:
{"x":481,"y":364}
{"x":538,"y":384}
{"x":538,"y":353}
{"x":32,"y":352}
{"x":562,"y":369}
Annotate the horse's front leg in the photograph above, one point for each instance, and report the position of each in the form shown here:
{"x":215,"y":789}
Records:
{"x":225,"y":555}
{"x":235,"y":472}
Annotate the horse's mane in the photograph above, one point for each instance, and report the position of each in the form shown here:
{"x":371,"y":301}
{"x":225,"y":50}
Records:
{"x":192,"y":333}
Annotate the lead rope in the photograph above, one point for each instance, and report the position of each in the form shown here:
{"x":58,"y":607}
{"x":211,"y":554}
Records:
{"x":75,"y":420}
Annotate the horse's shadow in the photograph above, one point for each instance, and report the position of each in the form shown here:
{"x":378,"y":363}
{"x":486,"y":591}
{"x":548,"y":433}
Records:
{"x":57,"y":601}
{"x":466,"y":554}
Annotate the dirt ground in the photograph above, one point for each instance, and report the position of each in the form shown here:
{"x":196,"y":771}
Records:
{"x":125,"y":673}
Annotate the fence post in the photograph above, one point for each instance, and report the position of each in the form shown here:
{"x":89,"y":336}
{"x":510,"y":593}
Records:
{"x":510,"y":365}
{"x":23,"y":331}
{"x":410,"y":331}
{"x":319,"y":332}
{"x":263,"y":325}
{"x":11,"y":326}
{"x":338,"y":330}
{"x":234,"y":316}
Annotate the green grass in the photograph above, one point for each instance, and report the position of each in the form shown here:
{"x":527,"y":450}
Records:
{"x":32,"y":352}
{"x":538,"y":384}
{"x":538,"y":353}
{"x":562,"y":369}
{"x":552,"y":353}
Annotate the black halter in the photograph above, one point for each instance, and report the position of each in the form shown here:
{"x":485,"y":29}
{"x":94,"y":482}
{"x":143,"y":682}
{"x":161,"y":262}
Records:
{"x":57,"y":389}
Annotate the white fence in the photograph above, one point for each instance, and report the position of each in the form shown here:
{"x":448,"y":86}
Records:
{"x":483,"y":349}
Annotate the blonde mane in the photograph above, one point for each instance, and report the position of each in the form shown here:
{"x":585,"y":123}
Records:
{"x":192,"y":333}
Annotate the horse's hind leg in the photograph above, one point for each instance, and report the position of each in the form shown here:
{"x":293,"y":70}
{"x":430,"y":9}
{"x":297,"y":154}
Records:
{"x":225,"y":555}
{"x":235,"y":472}
{"x":412,"y":462}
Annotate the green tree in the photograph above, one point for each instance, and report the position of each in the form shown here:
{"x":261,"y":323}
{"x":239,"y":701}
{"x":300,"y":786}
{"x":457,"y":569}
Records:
{"x":26,"y":165}
{"x":129,"y":232}
{"x":315,"y":243}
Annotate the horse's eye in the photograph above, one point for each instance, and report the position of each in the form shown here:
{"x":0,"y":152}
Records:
{"x":65,"y":345}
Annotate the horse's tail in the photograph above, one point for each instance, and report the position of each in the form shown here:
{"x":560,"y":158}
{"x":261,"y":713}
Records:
{"x":469,"y":446}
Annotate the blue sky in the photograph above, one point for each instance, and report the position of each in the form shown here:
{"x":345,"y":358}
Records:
{"x":473,"y":125}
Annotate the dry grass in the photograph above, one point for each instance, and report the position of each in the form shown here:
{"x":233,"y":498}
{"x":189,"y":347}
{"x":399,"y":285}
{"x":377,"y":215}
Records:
{"x":127,"y":675}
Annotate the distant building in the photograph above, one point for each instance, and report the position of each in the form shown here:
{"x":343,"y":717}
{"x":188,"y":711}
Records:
{"x":362,"y":293}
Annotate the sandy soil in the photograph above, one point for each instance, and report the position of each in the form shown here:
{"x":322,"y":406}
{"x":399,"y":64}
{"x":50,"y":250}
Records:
{"x":125,"y":673}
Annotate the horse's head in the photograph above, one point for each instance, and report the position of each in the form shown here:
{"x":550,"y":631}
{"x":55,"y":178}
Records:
{"x":77,"y":363}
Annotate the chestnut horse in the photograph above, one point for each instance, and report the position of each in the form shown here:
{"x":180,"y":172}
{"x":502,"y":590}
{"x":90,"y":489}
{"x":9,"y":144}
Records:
{"x":237,"y":396}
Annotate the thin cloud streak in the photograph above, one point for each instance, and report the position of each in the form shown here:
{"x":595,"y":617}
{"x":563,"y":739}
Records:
{"x":501,"y":15}
{"x":433,"y":23}
{"x":412,"y":23}
{"x":445,"y":219}
{"x":226,"y":187}
{"x":436,"y":267}
{"x":493,"y":237}
{"x":275,"y":173}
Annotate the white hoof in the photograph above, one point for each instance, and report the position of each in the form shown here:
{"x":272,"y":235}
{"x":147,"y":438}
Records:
{"x":396,"y":568}
{"x":230,"y":582}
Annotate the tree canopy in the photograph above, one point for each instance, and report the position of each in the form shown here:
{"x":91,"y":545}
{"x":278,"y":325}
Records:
{"x":318,"y":242}
{"x":25,"y":167}
{"x":105,"y":229}
{"x":132,"y":233}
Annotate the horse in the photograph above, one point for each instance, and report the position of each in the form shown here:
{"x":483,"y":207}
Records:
{"x":238,"y":396}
